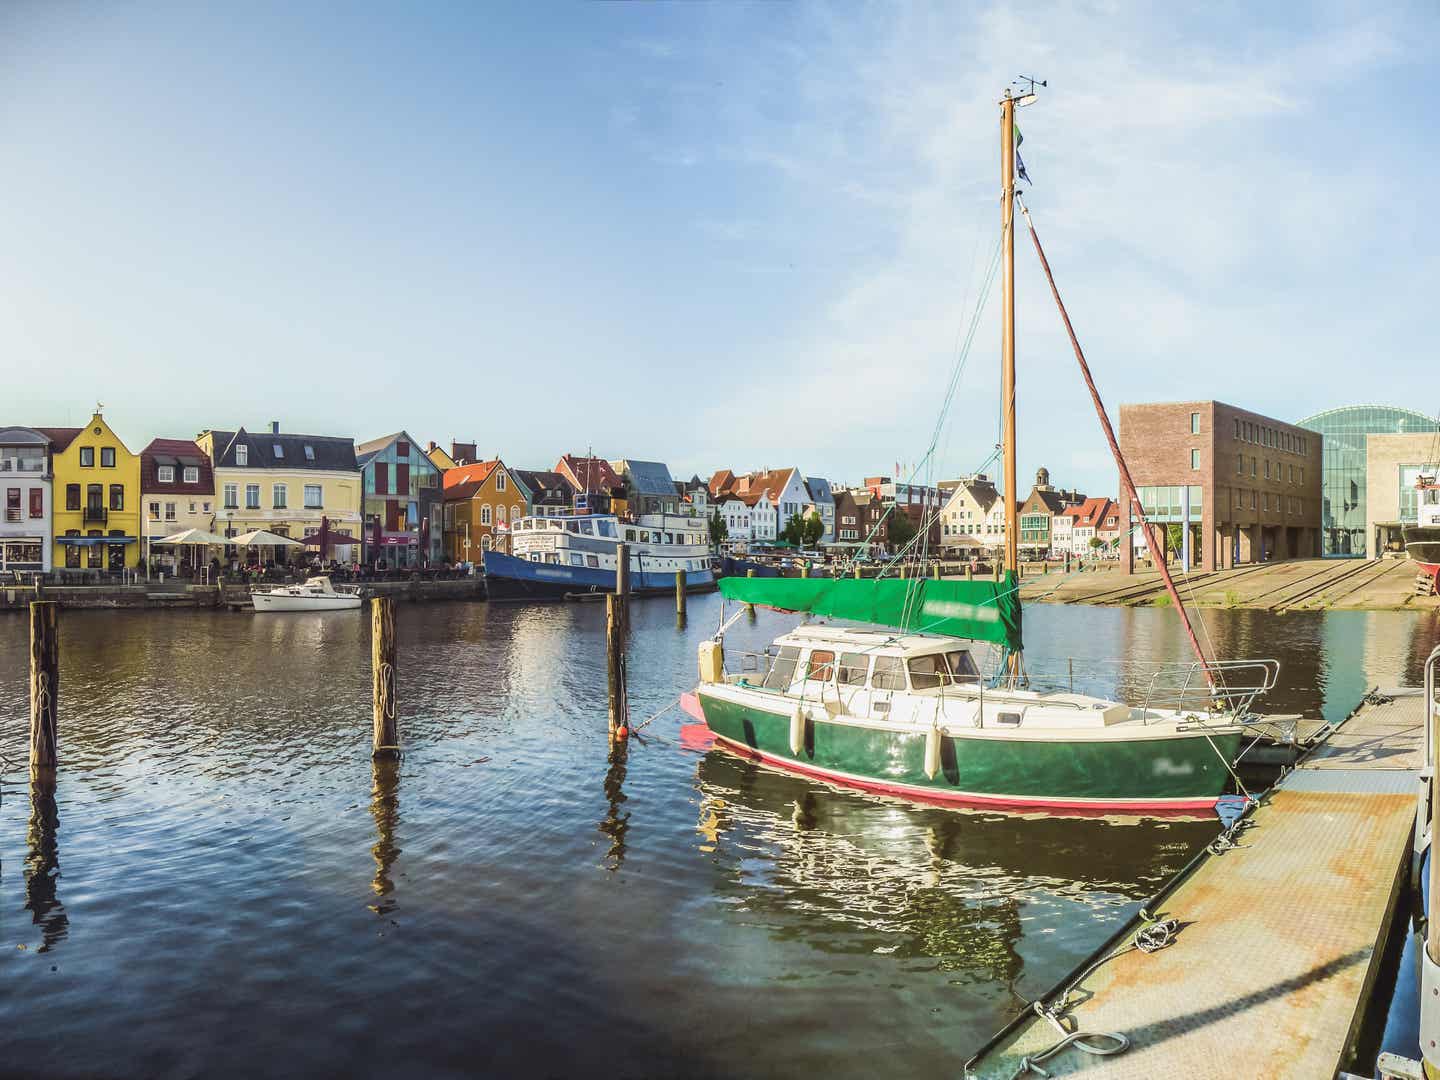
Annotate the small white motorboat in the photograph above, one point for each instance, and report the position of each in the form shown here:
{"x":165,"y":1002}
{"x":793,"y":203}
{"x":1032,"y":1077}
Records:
{"x":315,"y":594}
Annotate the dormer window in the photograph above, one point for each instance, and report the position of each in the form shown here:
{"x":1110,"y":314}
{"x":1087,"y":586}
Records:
{"x":167,"y":474}
{"x":242,"y":455}
{"x":309,"y":452}
{"x":192,"y":474}
{"x":279,"y":450}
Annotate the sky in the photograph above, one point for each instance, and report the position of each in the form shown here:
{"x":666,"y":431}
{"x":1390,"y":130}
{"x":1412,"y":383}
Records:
{"x":719,"y":235}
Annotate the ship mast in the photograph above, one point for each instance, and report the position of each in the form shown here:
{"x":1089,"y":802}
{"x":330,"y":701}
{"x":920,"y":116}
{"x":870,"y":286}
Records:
{"x":1007,"y":328}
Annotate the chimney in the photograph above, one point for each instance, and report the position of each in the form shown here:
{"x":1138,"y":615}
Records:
{"x":274,"y":427}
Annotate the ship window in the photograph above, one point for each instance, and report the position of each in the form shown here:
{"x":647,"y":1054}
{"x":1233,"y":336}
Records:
{"x":576,"y":559}
{"x":592,"y":561}
{"x":644,"y":536}
{"x":782,"y":670}
{"x":852,"y":669}
{"x":587,"y":528}
{"x":928,"y":672}
{"x":669,"y":538}
{"x":630,"y":534}
{"x":889,"y":674}
{"x":573,"y":526}
{"x":821,"y":666}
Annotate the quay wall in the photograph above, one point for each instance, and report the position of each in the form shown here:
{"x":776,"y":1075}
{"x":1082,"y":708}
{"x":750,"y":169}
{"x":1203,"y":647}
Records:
{"x":178,"y":595}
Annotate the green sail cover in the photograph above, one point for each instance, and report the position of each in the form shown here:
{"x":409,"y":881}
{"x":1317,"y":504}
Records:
{"x":982,"y":610}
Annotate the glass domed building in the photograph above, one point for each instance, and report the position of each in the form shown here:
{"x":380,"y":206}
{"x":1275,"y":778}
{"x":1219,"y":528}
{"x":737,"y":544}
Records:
{"x":1342,"y":479}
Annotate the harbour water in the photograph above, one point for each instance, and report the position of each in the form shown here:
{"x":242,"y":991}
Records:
{"x":225,"y":885}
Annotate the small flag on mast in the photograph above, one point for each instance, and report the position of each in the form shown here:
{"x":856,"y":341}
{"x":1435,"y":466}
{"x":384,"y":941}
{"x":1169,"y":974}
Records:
{"x":1019,"y":161}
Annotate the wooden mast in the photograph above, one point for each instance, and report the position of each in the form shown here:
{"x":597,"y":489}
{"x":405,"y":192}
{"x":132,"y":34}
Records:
{"x":1007,"y":327}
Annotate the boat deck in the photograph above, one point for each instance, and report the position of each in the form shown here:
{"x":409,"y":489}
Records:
{"x":1279,"y":937}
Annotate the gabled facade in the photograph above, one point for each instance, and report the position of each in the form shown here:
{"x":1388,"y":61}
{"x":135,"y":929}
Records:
{"x":27,"y":527}
{"x":480,"y":502}
{"x":440,"y":457}
{"x":847,"y":519}
{"x":966,"y":513}
{"x":290,"y":485}
{"x":177,"y":492}
{"x":822,"y":502}
{"x":97,"y":519}
{"x":403,"y":502}
{"x":598,"y":488}
{"x":736,"y":515}
{"x":1038,"y":511}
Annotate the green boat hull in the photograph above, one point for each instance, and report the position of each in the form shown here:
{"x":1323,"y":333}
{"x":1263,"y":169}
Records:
{"x":1171,"y":774}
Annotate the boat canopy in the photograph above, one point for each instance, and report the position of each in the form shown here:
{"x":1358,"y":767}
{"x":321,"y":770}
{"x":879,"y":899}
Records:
{"x":980,"y":610}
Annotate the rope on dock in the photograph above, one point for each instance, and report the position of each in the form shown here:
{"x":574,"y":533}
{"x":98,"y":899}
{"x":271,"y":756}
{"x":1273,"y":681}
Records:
{"x":1153,"y":936}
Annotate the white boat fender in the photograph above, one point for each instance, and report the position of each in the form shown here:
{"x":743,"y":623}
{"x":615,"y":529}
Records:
{"x":932,"y":752}
{"x":797,"y":730}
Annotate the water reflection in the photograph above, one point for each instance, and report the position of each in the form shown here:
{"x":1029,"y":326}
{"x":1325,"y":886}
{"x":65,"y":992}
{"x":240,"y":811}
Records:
{"x":872,"y":875}
{"x":615,"y":824}
{"x":42,"y":866}
{"x":385,"y":810}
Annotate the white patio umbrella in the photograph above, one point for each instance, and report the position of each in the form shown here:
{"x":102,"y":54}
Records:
{"x":189,"y":538}
{"x":261,"y":538}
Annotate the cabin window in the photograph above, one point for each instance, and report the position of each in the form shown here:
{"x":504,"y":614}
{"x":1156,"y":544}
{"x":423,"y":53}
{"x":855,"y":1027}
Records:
{"x":782,"y":670}
{"x":962,"y":666}
{"x":588,"y":528}
{"x":928,"y":672}
{"x":889,"y":674}
{"x":669,"y":538}
{"x":644,"y":536}
{"x":852,"y":669}
{"x":629,"y":534}
{"x":574,"y":527}
{"x":576,"y":559}
{"x":821,"y":667}
{"x":592,"y":561}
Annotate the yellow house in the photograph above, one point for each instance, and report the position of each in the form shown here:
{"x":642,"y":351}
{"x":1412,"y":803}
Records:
{"x":478,"y":499}
{"x":289,"y":485}
{"x":97,"y":498}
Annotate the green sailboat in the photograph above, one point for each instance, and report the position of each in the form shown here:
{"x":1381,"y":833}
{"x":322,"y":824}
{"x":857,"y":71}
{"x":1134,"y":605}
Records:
{"x":902,"y":708}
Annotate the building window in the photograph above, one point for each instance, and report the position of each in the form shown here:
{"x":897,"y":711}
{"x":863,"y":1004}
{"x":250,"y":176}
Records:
{"x":485,"y":514}
{"x":252,"y":496}
{"x":500,"y":481}
{"x":87,"y":457}
{"x":166,"y":474}
{"x":279,"y":451}
{"x":1267,"y":468}
{"x":205,"y":508}
{"x":1194,"y":458}
{"x":154,"y":511}
{"x":1252,"y":468}
{"x":37,"y":502}
{"x":107,"y":457}
{"x":309,"y":452}
{"x":242,"y":455}
{"x":314,"y":497}
{"x":402,"y":449}
{"x":169,"y":511}
{"x":1194,"y":423}
{"x":95,"y":559}
{"x":12,"y":504}
{"x":278,"y":495}
{"x":117,"y":496}
{"x":232,"y":496}
{"x":192,"y":508}
{"x":192,"y":474}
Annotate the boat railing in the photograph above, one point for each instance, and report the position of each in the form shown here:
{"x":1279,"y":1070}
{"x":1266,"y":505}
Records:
{"x":1146,"y":685}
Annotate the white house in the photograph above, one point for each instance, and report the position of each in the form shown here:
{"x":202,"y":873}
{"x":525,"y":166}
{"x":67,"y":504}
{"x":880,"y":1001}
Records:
{"x":27,"y":525}
{"x":1062,"y":530}
{"x":763,"y":518}
{"x":736,"y":516}
{"x":965,"y":515}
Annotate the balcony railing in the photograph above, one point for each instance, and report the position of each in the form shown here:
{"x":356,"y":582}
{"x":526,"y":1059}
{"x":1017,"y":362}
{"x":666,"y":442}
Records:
{"x":97,"y":514}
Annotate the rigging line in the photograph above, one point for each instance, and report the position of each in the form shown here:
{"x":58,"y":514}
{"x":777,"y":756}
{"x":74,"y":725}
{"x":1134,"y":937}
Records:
{"x":1127,"y":483}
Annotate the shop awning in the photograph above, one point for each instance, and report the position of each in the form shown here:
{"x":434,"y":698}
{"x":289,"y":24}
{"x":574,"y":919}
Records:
{"x":91,"y":541}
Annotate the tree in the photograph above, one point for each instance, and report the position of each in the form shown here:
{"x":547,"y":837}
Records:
{"x":900,"y":530}
{"x":794,"y":531}
{"x":719,"y":532}
{"x":1096,"y":543}
{"x":814,"y":529}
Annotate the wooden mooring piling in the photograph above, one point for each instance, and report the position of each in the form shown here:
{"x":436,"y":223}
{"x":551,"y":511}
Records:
{"x":382,"y":667}
{"x":44,"y":685}
{"x":615,"y":665}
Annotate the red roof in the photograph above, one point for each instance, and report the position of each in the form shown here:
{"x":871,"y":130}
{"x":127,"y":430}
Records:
{"x":60,"y":437}
{"x":588,"y":474}
{"x":466,"y":475}
{"x":1091,"y":513}
{"x":721,"y":483}
{"x":178,"y":453}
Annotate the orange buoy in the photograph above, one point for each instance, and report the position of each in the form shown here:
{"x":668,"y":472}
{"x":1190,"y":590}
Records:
{"x":622,"y":732}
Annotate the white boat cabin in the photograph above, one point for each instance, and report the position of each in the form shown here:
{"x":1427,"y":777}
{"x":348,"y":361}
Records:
{"x":659,"y":543}
{"x":914,"y":679}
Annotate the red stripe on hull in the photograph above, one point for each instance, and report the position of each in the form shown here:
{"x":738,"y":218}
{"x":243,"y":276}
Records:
{"x":1204,"y":807}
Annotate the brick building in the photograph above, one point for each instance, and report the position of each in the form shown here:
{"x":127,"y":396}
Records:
{"x":1243,"y":487}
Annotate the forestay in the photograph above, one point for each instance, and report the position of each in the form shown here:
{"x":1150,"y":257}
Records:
{"x":981,"y":610}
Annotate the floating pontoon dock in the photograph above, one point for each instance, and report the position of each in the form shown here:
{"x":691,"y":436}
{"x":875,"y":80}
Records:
{"x":1279,"y":937}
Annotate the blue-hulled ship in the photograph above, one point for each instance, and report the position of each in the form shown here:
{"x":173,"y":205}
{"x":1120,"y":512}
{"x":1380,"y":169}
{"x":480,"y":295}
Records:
{"x":556,"y":557}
